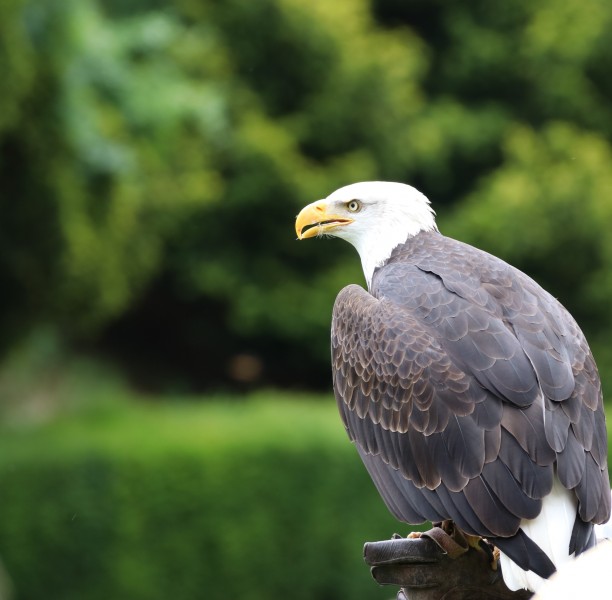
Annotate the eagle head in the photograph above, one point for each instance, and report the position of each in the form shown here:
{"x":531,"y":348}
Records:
{"x":374,"y":216}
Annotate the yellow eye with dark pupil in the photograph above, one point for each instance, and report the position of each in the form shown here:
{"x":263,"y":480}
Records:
{"x":353,"y":206}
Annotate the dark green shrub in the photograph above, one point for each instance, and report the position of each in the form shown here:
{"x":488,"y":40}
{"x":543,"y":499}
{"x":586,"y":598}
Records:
{"x":251,"y":501}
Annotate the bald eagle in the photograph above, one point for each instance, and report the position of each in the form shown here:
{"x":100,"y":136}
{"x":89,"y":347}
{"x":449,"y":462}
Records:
{"x":470,"y":392}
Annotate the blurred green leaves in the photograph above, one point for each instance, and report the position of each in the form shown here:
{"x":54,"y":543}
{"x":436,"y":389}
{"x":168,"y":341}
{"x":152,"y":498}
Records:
{"x":107,"y":163}
{"x":153,"y":156}
{"x":185,"y":501}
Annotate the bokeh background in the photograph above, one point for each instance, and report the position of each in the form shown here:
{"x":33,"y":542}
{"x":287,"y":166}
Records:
{"x":166,"y":422}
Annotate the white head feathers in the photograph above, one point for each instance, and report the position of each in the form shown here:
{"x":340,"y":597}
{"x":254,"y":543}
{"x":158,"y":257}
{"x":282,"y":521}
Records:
{"x":387,"y":214}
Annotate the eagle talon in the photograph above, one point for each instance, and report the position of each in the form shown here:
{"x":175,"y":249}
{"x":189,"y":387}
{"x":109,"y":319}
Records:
{"x":483,"y":545}
{"x":476,"y":542}
{"x":495,"y":561}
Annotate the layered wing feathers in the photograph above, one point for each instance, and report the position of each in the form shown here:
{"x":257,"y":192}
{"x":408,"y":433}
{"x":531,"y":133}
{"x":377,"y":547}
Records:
{"x":464,"y":386}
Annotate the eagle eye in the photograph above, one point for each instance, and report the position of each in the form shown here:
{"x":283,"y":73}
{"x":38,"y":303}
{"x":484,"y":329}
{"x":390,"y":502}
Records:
{"x":353,"y":206}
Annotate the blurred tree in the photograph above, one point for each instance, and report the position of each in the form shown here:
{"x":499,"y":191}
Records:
{"x":153,"y":156}
{"x":93,"y":182}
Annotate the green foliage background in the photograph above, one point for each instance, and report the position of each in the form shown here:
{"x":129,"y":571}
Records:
{"x":194,"y":501}
{"x":153,"y":156}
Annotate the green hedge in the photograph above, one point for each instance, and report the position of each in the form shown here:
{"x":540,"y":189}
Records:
{"x":251,"y":500}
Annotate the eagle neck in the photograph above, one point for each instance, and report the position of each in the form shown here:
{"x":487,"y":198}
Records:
{"x":400,"y":252}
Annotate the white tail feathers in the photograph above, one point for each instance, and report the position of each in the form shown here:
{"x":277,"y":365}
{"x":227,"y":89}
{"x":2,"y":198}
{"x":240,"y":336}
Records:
{"x":551,"y":530}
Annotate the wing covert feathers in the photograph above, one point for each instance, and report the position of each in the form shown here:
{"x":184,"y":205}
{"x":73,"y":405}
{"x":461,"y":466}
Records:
{"x":465,"y":388}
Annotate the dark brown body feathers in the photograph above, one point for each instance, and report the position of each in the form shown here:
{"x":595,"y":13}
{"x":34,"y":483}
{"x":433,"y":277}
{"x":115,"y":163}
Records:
{"x":466,"y":387}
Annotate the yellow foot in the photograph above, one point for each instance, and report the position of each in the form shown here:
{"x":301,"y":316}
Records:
{"x":473,"y":541}
{"x":468,"y":541}
{"x":495,"y":560}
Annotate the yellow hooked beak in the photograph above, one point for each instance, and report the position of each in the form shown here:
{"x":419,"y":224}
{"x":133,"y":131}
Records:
{"x":314,"y":220}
